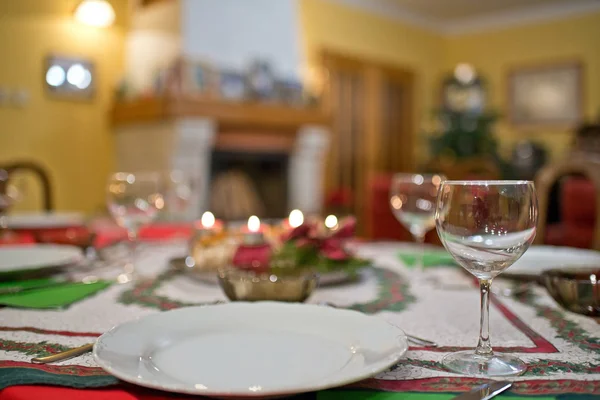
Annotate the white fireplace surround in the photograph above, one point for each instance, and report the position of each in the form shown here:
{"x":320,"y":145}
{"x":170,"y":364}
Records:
{"x":186,"y":144}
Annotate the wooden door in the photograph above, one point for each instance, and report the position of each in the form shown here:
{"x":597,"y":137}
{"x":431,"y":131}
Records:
{"x":372,"y":109}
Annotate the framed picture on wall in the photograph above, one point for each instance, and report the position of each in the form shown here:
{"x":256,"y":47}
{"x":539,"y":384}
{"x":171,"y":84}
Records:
{"x":548,"y":95}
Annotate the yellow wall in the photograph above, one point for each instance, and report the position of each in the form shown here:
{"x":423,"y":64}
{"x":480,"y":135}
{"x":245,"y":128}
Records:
{"x":494,"y":53}
{"x":327,"y":25}
{"x":73,"y":140}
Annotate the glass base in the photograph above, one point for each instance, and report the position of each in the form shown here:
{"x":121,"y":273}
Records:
{"x":468,"y":363}
{"x":125,"y":278}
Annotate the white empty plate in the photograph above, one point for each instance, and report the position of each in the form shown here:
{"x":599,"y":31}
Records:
{"x":538,"y":259}
{"x":250,"y":349}
{"x":44,"y":220}
{"x":35,"y":257}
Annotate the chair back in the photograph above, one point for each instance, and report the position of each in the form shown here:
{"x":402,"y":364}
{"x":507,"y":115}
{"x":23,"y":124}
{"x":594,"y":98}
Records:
{"x":37,"y":170}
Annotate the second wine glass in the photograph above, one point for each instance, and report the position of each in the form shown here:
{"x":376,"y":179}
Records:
{"x":133,"y":200}
{"x":412,"y":199}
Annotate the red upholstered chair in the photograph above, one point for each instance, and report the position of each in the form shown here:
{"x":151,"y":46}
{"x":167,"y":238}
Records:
{"x":577,"y":214}
{"x":580,"y":202}
{"x":380,"y":222}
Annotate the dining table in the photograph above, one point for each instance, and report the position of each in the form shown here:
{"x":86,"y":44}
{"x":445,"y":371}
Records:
{"x":561,"y":348}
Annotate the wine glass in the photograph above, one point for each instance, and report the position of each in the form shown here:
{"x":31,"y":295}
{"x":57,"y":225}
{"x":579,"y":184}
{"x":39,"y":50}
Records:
{"x":486,"y":226}
{"x":134,"y":200}
{"x":177,"y":188}
{"x":412,"y":199}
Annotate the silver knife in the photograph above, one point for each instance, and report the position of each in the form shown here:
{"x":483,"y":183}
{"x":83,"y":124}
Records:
{"x":485,"y":392}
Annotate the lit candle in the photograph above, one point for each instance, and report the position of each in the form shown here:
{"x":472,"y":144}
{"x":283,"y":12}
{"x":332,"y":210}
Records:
{"x":207,"y":220}
{"x":254,"y":235}
{"x":331,"y":222}
{"x":295,"y":219}
{"x":209,"y":224}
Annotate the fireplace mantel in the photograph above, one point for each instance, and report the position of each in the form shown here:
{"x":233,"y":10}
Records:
{"x":162,"y":134}
{"x":225,"y":114}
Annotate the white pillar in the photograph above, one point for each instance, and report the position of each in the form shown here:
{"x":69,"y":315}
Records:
{"x":307,"y":169}
{"x":192,"y":152}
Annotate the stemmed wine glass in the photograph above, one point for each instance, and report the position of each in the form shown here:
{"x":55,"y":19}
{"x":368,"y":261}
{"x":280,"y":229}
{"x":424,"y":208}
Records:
{"x":177,"y":189}
{"x":486,"y":226}
{"x":412,"y":199}
{"x":134,"y":200}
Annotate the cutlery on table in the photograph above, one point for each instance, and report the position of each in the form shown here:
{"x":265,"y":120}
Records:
{"x":485,"y":392}
{"x":411,"y":338}
{"x":64,"y":355}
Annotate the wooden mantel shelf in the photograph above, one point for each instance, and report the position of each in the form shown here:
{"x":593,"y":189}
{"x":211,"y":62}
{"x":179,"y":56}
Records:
{"x":246,"y":115}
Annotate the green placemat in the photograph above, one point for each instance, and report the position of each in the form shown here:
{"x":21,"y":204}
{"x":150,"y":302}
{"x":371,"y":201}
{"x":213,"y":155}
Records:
{"x":54,"y":296}
{"x":431,"y":258}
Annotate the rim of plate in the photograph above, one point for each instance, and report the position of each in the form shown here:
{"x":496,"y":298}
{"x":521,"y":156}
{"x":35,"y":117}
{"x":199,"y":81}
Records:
{"x":401,"y":338}
{"x":71,"y":259}
{"x":42,"y":220}
{"x":548,"y":251}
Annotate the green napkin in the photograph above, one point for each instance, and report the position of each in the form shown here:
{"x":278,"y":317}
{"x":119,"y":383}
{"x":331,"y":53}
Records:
{"x":431,"y":258}
{"x":50,"y":295}
{"x":373,"y":395}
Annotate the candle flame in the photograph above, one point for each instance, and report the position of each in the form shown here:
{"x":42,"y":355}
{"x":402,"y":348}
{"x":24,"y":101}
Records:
{"x":253,"y":224}
{"x":296,"y":218}
{"x":208,"y":220}
{"x":331,"y":221}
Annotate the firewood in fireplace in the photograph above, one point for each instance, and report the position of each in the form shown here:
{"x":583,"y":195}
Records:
{"x":233,"y":196}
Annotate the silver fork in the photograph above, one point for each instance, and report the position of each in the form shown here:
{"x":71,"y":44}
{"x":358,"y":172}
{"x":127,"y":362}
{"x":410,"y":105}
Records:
{"x":411,"y":338}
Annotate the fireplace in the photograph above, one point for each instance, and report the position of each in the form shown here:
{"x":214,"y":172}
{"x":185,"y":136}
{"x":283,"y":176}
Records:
{"x":248,"y":183}
{"x":275,"y":153}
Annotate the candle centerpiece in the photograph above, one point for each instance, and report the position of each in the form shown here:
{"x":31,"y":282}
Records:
{"x":320,"y":245}
{"x":210,"y":246}
{"x":254,"y":253}
{"x":307,"y":251}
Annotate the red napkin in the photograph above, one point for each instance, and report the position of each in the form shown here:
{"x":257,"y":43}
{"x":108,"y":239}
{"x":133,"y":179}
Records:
{"x":12,"y":238}
{"x":108,"y":234}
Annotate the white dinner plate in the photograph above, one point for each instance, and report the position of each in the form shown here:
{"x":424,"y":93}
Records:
{"x":44,"y":220}
{"x":20,"y":258}
{"x":538,"y":259}
{"x":250,"y":349}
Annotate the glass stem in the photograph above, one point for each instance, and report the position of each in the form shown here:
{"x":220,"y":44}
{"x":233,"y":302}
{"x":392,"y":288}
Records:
{"x":420,"y":239}
{"x":132,"y":241}
{"x":484,"y":347}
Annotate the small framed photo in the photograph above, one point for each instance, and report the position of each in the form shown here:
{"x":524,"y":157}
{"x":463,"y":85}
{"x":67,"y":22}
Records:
{"x":261,"y":81}
{"x":290,"y":92}
{"x":192,"y":78}
{"x":232,"y":85}
{"x":548,"y":95}
{"x":202,"y":78}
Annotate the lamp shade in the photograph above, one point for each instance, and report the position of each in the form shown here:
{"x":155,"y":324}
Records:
{"x":95,"y":13}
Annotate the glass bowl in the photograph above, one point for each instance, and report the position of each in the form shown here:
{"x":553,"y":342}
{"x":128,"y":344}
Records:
{"x":576,"y":290}
{"x":244,"y":285}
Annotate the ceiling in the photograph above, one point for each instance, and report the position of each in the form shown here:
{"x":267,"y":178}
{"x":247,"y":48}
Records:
{"x":447,"y":11}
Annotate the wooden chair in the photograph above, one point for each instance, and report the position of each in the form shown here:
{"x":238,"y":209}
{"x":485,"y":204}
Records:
{"x":548,"y":176}
{"x":39,"y":172}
